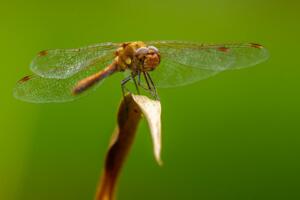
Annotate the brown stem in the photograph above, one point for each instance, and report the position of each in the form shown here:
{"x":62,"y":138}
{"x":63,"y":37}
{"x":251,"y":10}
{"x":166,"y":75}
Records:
{"x":129,"y":116}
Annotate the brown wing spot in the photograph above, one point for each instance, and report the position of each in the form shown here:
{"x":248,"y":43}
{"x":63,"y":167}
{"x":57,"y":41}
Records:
{"x":43,"y":53}
{"x":223,"y":49}
{"x":258,"y":46}
{"x":24,"y":79}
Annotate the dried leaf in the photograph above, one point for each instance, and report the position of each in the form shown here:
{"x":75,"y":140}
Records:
{"x":130,"y":112}
{"x":152,"y":111}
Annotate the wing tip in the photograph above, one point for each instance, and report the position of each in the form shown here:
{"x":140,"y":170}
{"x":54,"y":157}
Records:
{"x":265,"y":53}
{"x":256,"y":45}
{"x":43,"y":53}
{"x":24,"y":92}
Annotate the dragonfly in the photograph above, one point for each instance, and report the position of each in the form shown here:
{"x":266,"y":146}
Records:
{"x":61,"y":75}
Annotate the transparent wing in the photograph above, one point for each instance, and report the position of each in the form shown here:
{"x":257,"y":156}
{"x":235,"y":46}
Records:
{"x":64,"y":63}
{"x":184,"y":63}
{"x":217,"y":57}
{"x":38,"y":89}
{"x":172,"y":74}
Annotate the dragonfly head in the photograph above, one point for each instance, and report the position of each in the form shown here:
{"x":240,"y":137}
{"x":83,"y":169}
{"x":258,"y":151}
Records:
{"x":148,"y":58}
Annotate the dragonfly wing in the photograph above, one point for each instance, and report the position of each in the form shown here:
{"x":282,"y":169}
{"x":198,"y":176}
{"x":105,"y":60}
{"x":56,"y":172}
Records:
{"x":171,"y":74}
{"x":64,"y":63}
{"x":218,"y":57}
{"x":39,"y":89}
{"x":183,"y":63}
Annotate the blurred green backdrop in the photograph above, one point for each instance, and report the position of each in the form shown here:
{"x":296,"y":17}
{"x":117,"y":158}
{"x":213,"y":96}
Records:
{"x":234,"y":136}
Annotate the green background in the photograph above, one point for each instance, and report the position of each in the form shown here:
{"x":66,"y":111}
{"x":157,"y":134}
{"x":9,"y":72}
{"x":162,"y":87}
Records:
{"x":234,"y":136}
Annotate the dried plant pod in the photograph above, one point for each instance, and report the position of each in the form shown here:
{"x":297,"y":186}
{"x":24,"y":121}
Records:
{"x":130,"y":112}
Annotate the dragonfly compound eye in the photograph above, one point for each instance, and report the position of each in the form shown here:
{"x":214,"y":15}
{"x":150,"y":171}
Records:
{"x":141,"y":51}
{"x":153,"y":49}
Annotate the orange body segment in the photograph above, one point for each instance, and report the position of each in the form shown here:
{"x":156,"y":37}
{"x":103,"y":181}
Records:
{"x":88,"y":82}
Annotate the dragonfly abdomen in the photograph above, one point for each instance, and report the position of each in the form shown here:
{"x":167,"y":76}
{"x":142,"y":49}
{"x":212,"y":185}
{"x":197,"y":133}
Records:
{"x":89,"y":81}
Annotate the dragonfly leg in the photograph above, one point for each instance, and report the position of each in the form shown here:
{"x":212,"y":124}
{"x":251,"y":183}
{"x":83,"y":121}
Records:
{"x":126,"y":80}
{"x":123,"y":83}
{"x":139,"y":82}
{"x":135,"y":83}
{"x":146,"y":79}
{"x":139,"y":78}
{"x":150,"y":85}
{"x":153,"y":86}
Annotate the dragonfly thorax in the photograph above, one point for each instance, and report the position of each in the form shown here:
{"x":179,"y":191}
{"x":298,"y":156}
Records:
{"x":137,"y":56}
